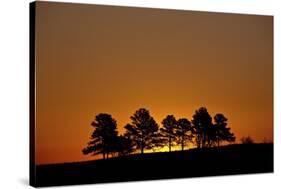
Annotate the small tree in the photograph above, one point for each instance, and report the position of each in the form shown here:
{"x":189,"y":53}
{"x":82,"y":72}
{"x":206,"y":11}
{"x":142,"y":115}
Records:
{"x":247,"y":140}
{"x":183,"y":132}
{"x":168,"y":131}
{"x":143,"y":130}
{"x":202,"y":121}
{"x":222,"y":132}
{"x":104,"y":136}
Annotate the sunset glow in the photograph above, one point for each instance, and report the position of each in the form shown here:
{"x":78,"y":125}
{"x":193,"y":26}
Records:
{"x":115,"y":60}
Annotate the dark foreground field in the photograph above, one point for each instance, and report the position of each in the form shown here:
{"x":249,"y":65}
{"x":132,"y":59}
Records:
{"x":228,"y":160}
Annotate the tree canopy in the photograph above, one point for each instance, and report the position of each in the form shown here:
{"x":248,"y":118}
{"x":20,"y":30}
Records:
{"x":103,"y":137}
{"x":143,"y":133}
{"x":222,"y":131}
{"x":168,"y":131}
{"x":143,"y":130}
{"x":184,"y":132}
{"x":202,"y":123}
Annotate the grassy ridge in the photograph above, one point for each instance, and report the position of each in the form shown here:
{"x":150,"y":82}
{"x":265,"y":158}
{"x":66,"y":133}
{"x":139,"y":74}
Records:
{"x":227,"y":160}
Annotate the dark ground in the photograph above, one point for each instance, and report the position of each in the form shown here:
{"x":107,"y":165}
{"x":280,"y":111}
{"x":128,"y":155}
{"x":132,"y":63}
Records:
{"x":228,"y":160}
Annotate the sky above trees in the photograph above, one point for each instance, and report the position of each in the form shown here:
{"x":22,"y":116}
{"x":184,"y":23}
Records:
{"x":102,"y":59}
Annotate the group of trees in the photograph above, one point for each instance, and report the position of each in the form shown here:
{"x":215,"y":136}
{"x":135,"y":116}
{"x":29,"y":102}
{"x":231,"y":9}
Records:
{"x":143,"y":133}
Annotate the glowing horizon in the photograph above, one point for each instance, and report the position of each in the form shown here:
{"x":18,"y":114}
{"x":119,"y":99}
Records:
{"x":105,"y":59}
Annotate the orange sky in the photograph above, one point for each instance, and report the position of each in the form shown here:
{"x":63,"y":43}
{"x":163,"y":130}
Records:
{"x":102,"y":59}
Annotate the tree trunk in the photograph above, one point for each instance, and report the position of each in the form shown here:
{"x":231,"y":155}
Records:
{"x":199,"y":141}
{"x":203,"y":140}
{"x":169,"y":144}
{"x":103,"y":149}
{"x":182,"y":144}
{"x":142,"y":144}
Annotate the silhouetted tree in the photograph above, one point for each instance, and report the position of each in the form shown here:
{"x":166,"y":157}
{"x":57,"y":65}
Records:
{"x":158,"y":142}
{"x":142,"y":130}
{"x":211,"y":136}
{"x":183,"y":132}
{"x":202,"y":121}
{"x":168,"y":131}
{"x":247,"y":140}
{"x":222,"y":132}
{"x":124,"y":145}
{"x":104,"y":137}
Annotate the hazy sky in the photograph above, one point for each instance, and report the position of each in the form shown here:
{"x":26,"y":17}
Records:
{"x":102,"y":59}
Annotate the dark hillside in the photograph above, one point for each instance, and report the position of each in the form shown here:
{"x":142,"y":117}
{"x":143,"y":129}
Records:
{"x":228,"y":160}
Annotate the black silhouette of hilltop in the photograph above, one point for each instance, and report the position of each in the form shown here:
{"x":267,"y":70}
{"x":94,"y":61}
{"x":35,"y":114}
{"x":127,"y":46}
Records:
{"x":226,"y":160}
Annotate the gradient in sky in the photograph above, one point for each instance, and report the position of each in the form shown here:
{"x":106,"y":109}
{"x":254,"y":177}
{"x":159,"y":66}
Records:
{"x":104,"y":59}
